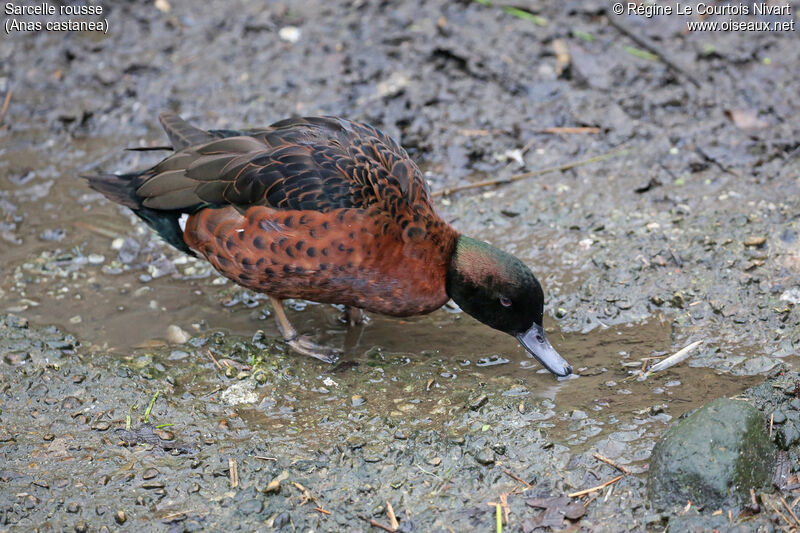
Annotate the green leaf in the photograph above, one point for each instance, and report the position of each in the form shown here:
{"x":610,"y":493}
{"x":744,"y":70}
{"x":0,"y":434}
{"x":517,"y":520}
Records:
{"x":525,"y":15}
{"x":644,"y":54}
{"x":583,"y":35}
{"x":150,"y":407}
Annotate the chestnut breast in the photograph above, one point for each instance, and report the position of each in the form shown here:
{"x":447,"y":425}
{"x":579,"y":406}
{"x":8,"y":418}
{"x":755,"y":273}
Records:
{"x":351,"y":256}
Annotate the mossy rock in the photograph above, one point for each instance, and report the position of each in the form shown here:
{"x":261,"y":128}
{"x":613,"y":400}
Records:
{"x":713,"y":457}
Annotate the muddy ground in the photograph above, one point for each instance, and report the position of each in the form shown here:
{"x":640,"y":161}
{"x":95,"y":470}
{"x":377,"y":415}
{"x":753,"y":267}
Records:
{"x":685,"y":229}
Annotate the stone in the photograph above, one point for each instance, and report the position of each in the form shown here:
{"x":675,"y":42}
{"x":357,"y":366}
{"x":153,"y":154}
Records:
{"x":712,"y":457}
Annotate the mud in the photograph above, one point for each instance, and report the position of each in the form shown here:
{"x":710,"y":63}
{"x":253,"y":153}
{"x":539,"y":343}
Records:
{"x":690,"y":232}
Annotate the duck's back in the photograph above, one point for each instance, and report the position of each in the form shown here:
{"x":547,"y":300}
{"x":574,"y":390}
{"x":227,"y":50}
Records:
{"x":320,"y":208}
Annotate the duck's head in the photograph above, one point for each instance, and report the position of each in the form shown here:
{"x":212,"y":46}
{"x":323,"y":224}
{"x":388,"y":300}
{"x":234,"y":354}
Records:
{"x":500,"y":291}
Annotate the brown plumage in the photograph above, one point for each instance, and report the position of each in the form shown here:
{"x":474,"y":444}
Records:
{"x":329,"y":210}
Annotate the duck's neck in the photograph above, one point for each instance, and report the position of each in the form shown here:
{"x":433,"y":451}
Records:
{"x":474,"y":261}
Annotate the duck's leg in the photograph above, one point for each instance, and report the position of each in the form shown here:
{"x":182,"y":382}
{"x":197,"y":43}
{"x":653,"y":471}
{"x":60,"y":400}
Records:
{"x":354,"y":316}
{"x":300,"y":343}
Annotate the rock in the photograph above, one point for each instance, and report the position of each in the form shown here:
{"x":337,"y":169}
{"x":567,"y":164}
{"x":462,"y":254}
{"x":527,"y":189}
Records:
{"x":239,"y":393}
{"x":176,"y":335}
{"x":713,"y":457}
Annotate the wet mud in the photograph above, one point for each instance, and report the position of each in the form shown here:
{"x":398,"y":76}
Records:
{"x":685,"y":229}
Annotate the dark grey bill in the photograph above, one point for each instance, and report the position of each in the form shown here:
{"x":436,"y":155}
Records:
{"x":535,"y":341}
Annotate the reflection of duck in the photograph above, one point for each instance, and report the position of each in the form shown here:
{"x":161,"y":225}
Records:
{"x":332,"y":211}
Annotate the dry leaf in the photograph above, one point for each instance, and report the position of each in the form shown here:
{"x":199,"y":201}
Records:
{"x":746,"y":119}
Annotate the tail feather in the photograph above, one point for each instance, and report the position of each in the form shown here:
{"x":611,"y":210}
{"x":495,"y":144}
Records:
{"x":122,"y":190}
{"x":182,"y":134}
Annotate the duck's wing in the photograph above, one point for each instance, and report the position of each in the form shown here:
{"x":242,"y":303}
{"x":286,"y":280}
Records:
{"x":314,"y":163}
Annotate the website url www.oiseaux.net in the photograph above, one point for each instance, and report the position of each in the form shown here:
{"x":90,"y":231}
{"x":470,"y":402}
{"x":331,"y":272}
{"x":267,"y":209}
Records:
{"x":740,"y":25}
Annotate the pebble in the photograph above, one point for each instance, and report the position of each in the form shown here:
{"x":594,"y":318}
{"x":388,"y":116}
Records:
{"x":478,"y":402}
{"x":96,"y":259}
{"x":778,"y":417}
{"x":289,"y":33}
{"x":176,"y":335}
{"x":120,"y":517}
{"x":485,"y":457}
{"x":150,"y":473}
{"x":251,"y":507}
{"x":755,"y":240}
{"x":357,"y":400}
{"x":101,"y":426}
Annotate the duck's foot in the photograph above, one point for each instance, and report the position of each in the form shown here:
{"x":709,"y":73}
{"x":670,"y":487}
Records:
{"x":304,"y":345}
{"x":301,"y":343}
{"x":354,"y":316}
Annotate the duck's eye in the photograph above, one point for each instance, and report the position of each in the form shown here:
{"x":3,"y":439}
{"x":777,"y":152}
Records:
{"x":505,"y":302}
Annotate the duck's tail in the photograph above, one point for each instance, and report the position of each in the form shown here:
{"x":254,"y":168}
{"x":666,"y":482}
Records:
{"x":121,"y":189}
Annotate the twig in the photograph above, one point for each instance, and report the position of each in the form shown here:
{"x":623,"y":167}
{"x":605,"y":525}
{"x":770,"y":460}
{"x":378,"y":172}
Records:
{"x":307,"y":497}
{"x":650,"y":47}
{"x":103,"y":232}
{"x":6,"y":101}
{"x":789,"y":509}
{"x":675,"y":358}
{"x":516,"y":478}
{"x":393,"y":523}
{"x":579,"y":129}
{"x":502,"y":181}
{"x":504,"y":504}
{"x":233,"y":472}
{"x":594,"y":489}
{"x":265,"y":458}
{"x":608,"y":461}
{"x":429,"y":473}
{"x":377,"y":524}
{"x":321,"y":510}
{"x":211,"y":355}
{"x":771,"y":422}
{"x":778,"y":511}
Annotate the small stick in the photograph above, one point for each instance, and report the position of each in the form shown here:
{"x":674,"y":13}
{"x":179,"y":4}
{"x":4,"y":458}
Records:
{"x":265,"y":458}
{"x":504,"y":504}
{"x":321,"y":510}
{"x":779,"y":512}
{"x":650,"y":47}
{"x":211,"y":355}
{"x":594,"y":489}
{"x":498,"y":517}
{"x":796,"y":520}
{"x":103,"y":232}
{"x":6,"y":101}
{"x":771,"y":422}
{"x":608,"y":461}
{"x":393,"y":523}
{"x":307,"y":497}
{"x":579,"y":129}
{"x":516,"y":478}
{"x":377,"y":524}
{"x":566,"y":166}
{"x":233,"y":472}
{"x":676,"y":358}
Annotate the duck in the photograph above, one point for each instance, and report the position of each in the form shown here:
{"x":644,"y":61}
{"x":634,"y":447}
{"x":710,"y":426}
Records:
{"x":328,"y":210}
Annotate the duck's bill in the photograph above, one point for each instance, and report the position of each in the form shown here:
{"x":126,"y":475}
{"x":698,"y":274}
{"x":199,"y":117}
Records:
{"x":535,"y":341}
